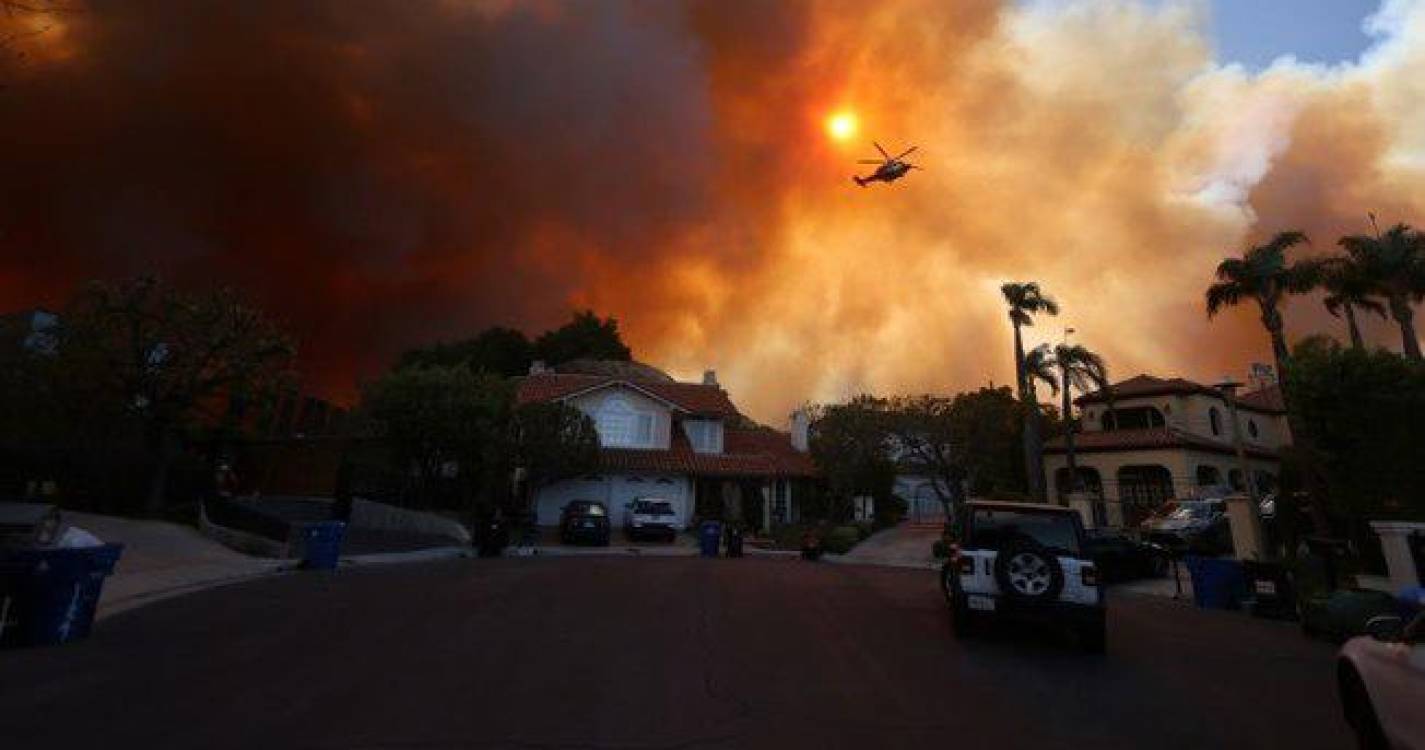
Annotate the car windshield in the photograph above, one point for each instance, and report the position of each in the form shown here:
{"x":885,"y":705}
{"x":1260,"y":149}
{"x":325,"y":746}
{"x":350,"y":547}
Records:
{"x":1193,"y":510}
{"x":994,"y":528}
{"x":653,"y":508}
{"x":587,"y":508}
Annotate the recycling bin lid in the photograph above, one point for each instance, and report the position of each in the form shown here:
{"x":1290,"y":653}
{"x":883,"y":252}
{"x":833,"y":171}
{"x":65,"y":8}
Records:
{"x":26,"y":524}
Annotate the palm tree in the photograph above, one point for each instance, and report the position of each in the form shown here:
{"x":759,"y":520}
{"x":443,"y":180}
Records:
{"x":1349,"y":289}
{"x":1395,"y":264}
{"x":1264,"y":275}
{"x":1082,"y":369}
{"x":1026,"y":299}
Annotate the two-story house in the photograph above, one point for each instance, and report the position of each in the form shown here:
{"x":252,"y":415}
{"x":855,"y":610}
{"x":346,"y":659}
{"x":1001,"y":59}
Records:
{"x":683,"y":442}
{"x":1165,"y":439}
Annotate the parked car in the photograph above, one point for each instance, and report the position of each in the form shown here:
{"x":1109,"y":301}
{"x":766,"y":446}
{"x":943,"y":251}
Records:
{"x":1019,"y":561}
{"x":1381,"y":677}
{"x":1120,"y":557}
{"x":651,"y":517}
{"x":584,"y":521}
{"x":1197,"y":526}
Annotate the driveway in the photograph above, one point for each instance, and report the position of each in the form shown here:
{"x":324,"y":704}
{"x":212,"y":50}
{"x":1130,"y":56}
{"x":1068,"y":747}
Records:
{"x":652,"y":653}
{"x":905,"y":545}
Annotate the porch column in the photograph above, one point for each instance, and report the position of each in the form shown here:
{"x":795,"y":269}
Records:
{"x":1395,"y":545}
{"x":1246,"y":527}
{"x":767,"y":506}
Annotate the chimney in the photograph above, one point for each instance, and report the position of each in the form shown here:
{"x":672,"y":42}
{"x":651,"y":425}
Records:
{"x":801,"y":426}
{"x":538,"y":367}
{"x":709,"y":377}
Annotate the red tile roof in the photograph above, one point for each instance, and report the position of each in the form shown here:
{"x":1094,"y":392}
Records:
{"x":747,"y":452}
{"x":1267,"y":400}
{"x":694,"y":398}
{"x":1151,"y":438}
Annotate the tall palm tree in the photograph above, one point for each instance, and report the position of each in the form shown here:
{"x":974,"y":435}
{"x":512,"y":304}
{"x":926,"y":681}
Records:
{"x":1082,"y":369}
{"x":1348,"y":289}
{"x":1395,"y":263}
{"x":1263,"y":274}
{"x":1025,"y":300}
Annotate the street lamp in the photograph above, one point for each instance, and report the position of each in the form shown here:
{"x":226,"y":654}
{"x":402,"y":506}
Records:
{"x":1228,"y":388}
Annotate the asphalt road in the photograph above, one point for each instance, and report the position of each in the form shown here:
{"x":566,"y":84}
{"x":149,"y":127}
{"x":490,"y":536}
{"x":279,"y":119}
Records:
{"x":652,"y":653}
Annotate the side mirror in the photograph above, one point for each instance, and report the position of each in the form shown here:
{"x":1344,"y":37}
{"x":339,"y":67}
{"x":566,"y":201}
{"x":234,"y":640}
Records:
{"x":1384,"y":627}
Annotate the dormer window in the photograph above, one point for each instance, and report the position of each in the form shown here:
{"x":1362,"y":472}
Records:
{"x":620,"y":425}
{"x":705,"y":435}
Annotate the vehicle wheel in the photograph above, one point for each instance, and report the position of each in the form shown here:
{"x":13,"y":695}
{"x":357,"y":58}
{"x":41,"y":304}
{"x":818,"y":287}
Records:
{"x":1360,"y":714}
{"x":1026,"y":571}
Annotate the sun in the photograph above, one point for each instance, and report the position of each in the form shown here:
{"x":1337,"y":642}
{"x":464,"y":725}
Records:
{"x":841,"y":125}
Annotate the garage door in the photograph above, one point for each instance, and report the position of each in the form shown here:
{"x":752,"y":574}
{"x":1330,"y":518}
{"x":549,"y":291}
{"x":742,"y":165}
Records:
{"x":626,"y":489}
{"x":553,"y":498}
{"x":615,"y":492}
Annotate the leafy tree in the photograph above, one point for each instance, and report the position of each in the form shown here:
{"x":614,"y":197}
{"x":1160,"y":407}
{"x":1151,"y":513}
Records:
{"x":850,"y":444}
{"x":1394,"y":262}
{"x":989,"y":423}
{"x":1364,"y":409}
{"x":586,"y":336}
{"x":1025,"y":300}
{"x":496,"y":350}
{"x":165,"y":359}
{"x":1079,"y":369}
{"x":444,"y":427}
{"x":551,"y":441}
{"x":928,"y":440}
{"x":1348,"y":289}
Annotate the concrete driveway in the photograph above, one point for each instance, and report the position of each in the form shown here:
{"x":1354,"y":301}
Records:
{"x":652,"y":653}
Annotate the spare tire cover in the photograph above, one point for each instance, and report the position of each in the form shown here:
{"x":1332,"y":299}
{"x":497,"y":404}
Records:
{"x":1026,"y":571}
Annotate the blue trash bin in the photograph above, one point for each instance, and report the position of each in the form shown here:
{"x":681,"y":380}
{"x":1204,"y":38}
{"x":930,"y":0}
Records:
{"x":709,"y":538}
{"x":48,"y":596}
{"x":1217,"y":583}
{"x":321,"y":544}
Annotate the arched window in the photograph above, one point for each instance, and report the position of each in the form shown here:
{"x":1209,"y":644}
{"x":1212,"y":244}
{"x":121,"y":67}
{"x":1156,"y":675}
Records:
{"x":1214,"y":418}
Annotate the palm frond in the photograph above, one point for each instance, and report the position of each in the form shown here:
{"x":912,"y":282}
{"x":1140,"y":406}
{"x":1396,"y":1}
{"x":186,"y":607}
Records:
{"x":1222,"y":294}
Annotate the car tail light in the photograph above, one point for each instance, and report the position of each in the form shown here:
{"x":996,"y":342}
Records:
{"x":1090,"y":575}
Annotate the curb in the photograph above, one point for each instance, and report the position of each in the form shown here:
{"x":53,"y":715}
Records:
{"x":134,"y":601}
{"x":420,"y":555}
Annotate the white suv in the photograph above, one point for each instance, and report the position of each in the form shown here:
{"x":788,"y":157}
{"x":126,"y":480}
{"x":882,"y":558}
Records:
{"x":1382,"y":682}
{"x":1025,"y":562}
{"x":651,"y":517}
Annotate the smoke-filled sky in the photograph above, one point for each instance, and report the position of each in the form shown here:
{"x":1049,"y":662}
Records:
{"x":386,"y":173}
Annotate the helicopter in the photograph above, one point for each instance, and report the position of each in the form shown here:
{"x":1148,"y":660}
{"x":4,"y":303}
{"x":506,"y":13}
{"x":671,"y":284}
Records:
{"x":891,"y":167}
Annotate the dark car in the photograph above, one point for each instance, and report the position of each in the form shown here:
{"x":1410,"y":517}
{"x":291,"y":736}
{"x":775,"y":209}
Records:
{"x":1195,"y":526}
{"x":1122,"y":558}
{"x":1018,"y":561}
{"x":584,"y":521}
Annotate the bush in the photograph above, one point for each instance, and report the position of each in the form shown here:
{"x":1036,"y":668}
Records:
{"x":841,"y":539}
{"x":864,"y":530}
{"x":940,"y":550}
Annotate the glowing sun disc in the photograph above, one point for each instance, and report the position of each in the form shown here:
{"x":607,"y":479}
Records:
{"x":841,"y":125}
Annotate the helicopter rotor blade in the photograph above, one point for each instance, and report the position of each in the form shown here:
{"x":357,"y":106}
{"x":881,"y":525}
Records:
{"x":883,"y":151}
{"x":869,"y":161}
{"x":907,"y":153}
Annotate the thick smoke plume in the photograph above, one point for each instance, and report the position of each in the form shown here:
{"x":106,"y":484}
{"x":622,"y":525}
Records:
{"x":384,"y":174}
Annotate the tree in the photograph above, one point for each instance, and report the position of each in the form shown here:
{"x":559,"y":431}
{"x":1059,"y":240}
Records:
{"x":929,"y":440}
{"x":1364,"y":409}
{"x":444,"y":426}
{"x":1082,"y":369}
{"x":1025,"y":300}
{"x":1348,"y":289}
{"x":551,"y":441}
{"x":496,"y":350}
{"x":586,"y":336}
{"x":1264,"y":276}
{"x":1394,"y":262}
{"x":163,"y":356}
{"x":988,"y":425}
{"x":849,"y":443}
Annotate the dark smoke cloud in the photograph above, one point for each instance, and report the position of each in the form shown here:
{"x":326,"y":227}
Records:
{"x":383,"y":173}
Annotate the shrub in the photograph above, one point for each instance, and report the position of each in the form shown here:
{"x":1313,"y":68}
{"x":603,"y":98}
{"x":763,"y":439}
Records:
{"x":940,"y":549}
{"x":841,"y":539}
{"x":864,"y":530}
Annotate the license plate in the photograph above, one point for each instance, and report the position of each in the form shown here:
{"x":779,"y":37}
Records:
{"x":982,"y":603}
{"x":1266,"y":587}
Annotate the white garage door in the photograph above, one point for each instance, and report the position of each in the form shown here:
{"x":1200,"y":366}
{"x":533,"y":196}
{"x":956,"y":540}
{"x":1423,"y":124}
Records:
{"x":615,"y":492}
{"x":552,"y":499}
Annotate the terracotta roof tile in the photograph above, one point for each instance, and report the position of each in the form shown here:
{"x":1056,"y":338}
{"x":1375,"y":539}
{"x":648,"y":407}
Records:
{"x":695,"y":398}
{"x":1151,"y":438}
{"x":1267,"y":400}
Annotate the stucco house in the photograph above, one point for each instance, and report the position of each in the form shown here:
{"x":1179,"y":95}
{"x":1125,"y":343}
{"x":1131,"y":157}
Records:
{"x":679,"y":441}
{"x":1167,"y":438}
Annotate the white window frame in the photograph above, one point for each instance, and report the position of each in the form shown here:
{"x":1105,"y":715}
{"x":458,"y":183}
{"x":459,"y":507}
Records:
{"x":620,"y":425}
